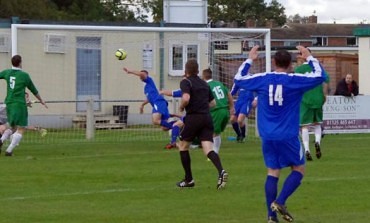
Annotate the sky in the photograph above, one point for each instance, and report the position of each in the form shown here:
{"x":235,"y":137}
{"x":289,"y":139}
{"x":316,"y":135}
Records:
{"x":328,"y":11}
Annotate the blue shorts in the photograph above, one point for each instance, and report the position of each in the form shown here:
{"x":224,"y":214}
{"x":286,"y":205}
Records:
{"x":243,"y":107}
{"x":282,"y":153}
{"x":160,"y":106}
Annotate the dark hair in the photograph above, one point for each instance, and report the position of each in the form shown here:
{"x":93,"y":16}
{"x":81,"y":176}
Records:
{"x":282,"y":59}
{"x":145,"y":71}
{"x":207,"y":74}
{"x":192,"y":67}
{"x":16,"y":60}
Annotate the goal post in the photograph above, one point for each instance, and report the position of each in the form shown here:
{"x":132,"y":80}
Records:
{"x":72,"y":65}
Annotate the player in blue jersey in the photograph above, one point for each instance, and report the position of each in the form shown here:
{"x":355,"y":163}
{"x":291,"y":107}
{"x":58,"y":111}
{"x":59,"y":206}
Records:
{"x":160,"y":113}
{"x":243,"y":106}
{"x":279,"y":97}
{"x":177,"y":94}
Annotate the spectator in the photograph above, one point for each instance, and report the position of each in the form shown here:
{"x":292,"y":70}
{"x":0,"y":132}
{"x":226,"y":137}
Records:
{"x":347,"y":87}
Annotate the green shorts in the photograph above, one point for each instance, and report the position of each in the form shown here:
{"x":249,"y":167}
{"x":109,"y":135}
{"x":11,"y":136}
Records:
{"x":17,"y":114}
{"x":309,"y":115}
{"x":221,"y":118}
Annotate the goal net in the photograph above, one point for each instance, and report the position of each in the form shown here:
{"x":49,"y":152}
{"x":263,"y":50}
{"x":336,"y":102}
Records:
{"x":91,"y":97}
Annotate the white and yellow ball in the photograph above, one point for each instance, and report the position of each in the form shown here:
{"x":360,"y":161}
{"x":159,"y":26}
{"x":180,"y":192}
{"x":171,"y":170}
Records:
{"x":121,"y":54}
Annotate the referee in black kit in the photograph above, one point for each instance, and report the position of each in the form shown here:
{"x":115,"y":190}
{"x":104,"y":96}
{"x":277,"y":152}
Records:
{"x":196,"y":100}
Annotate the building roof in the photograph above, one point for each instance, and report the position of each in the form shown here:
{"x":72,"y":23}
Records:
{"x":308,"y":31}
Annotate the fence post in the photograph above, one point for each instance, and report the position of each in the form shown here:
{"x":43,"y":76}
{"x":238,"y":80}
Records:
{"x":90,"y":121}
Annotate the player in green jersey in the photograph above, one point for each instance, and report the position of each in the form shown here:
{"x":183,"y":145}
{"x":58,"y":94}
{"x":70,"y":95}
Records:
{"x":311,"y":114}
{"x":224,"y":107}
{"x":16,"y":107}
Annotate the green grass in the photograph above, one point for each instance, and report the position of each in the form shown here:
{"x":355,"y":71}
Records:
{"x":135,"y":182}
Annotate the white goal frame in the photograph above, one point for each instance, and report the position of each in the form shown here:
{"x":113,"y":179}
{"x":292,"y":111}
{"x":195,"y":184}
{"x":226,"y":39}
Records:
{"x":266,"y":32}
{"x":90,"y":127}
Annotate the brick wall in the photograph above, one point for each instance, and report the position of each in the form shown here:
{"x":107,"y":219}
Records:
{"x":337,"y":41}
{"x":336,"y":65}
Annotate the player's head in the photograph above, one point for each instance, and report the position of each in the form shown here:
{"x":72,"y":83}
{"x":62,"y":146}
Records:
{"x":191,"y":68}
{"x":16,"y":61}
{"x":282,"y":59}
{"x":146,"y":74}
{"x":348,"y":78}
{"x":207,"y":74}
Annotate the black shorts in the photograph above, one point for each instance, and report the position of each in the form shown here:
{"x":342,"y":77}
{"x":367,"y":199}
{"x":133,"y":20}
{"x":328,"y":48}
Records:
{"x":197,"y":125}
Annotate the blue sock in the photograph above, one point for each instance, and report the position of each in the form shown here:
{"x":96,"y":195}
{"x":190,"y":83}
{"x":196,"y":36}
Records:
{"x":236,"y":128}
{"x":271,"y":188}
{"x":175,"y":134}
{"x":291,"y":183}
{"x":166,"y":124}
{"x":243,"y":131}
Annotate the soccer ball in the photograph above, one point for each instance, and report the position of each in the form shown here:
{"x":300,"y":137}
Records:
{"x":121,"y":54}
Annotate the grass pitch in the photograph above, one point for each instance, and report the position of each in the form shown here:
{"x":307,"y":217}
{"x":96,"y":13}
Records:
{"x":135,"y":182}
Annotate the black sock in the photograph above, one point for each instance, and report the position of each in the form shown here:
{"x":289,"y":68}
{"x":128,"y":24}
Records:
{"x":236,"y":128}
{"x":213,"y":156}
{"x":185,"y":161}
{"x":243,"y":131}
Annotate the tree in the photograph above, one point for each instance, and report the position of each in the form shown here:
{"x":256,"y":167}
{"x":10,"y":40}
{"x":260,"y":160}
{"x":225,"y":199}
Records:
{"x":156,"y":8}
{"x":35,"y":9}
{"x":298,"y":19}
{"x":276,"y":12}
{"x":76,"y":10}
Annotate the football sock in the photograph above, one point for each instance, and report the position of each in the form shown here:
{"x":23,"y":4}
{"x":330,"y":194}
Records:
{"x":291,"y":183}
{"x":271,"y":187}
{"x":166,"y":124}
{"x":236,"y":128}
{"x":318,"y":133}
{"x":15,"y":141}
{"x":7,"y":133}
{"x":213,"y":156}
{"x":242,"y":128}
{"x":186,"y":162}
{"x":175,"y":133}
{"x":216,"y":143}
{"x":305,"y":139}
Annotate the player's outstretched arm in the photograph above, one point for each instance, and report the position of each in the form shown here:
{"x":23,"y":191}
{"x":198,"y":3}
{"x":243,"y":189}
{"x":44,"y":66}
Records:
{"x":253,"y":54}
{"x":41,"y":100}
{"x":184,"y":101}
{"x":231,"y":103}
{"x":135,"y":72}
{"x":166,"y":92}
{"x":142,"y":106}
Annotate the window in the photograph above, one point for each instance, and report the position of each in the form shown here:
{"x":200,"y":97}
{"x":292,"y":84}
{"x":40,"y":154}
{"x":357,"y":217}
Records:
{"x":221,"y":45}
{"x":321,"y":41}
{"x":291,"y":43}
{"x":351,"y":41}
{"x":180,"y":52}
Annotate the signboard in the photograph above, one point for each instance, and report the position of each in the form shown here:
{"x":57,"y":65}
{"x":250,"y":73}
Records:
{"x":347,"y":114}
{"x":185,"y":11}
{"x":147,"y":56}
